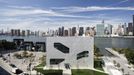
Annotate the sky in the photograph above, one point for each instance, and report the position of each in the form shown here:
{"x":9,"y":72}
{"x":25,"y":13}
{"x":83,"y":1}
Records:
{"x":44,"y":14}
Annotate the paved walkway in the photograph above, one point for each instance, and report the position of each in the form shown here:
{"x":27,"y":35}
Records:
{"x":110,"y":68}
{"x":23,"y":63}
{"x":121,"y":59}
{"x":6,"y":66}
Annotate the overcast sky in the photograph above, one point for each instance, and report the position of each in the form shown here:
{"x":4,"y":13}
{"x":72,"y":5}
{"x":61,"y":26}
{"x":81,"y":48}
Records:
{"x":44,"y":14}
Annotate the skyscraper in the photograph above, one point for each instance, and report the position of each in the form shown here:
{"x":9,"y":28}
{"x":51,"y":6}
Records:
{"x":100,"y":29}
{"x":62,"y":31}
{"x":130,"y":28}
{"x":73,"y":31}
{"x":125,"y":29}
{"x":27,"y":32}
{"x":12,"y":32}
{"x":18,"y":32}
{"x":81,"y":31}
{"x":23,"y":33}
{"x":133,"y":25}
{"x":70,"y":31}
{"x":66,"y":32}
{"x":109,"y":28}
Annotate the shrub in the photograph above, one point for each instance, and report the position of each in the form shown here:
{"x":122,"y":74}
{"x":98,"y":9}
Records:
{"x":25,"y":54}
{"x":130,"y":56}
{"x":17,"y":55}
{"x":49,"y":72}
{"x":31,"y":54}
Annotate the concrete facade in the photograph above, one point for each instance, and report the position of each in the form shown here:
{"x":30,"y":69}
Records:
{"x":76,"y":45}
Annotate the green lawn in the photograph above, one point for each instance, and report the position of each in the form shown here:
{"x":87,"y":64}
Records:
{"x":40,"y":65}
{"x":49,"y":72}
{"x":86,"y":72}
{"x":99,"y":68}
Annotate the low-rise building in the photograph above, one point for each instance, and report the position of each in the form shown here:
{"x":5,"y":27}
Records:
{"x":69,"y":52}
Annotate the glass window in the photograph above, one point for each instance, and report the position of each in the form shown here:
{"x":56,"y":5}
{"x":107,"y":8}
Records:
{"x":56,"y":61}
{"x":61,"y":47}
{"x":82,"y":54}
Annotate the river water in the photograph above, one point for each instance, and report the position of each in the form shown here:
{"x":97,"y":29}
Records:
{"x":113,"y":42}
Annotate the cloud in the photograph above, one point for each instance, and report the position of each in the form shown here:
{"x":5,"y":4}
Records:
{"x":118,"y":3}
{"x":27,"y":17}
{"x":19,"y":12}
{"x":91,"y":8}
{"x":15,"y":11}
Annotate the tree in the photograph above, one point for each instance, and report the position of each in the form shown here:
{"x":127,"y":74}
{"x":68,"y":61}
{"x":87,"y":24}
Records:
{"x":31,"y":55}
{"x":122,"y":70}
{"x":43,"y":60}
{"x":97,"y":52}
{"x":118,"y":65}
{"x":129,"y":55}
{"x":25,"y":54}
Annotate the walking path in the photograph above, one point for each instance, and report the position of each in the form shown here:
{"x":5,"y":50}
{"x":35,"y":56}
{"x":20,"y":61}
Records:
{"x":121,"y":59}
{"x":6,"y":66}
{"x":110,"y":68}
{"x":21,"y":63}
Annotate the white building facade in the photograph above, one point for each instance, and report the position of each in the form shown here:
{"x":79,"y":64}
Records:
{"x":69,"y":52}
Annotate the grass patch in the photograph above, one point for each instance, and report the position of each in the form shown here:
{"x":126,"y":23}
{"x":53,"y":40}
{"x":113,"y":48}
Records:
{"x":49,"y":72}
{"x":23,"y":54}
{"x":40,"y":65}
{"x":99,"y":68}
{"x":86,"y":72}
{"x":42,"y":62}
{"x":129,"y":53}
{"x":120,"y":50}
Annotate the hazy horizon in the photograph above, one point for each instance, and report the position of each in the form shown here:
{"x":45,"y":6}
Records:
{"x":44,"y":14}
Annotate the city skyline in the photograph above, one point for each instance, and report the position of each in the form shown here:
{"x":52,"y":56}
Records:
{"x":44,"y":14}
